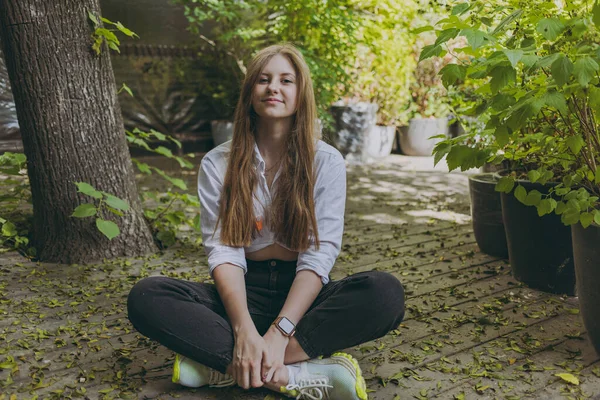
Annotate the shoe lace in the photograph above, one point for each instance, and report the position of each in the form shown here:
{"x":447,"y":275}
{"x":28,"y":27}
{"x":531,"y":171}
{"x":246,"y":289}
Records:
{"x":218,"y":379}
{"x":311,"y":389}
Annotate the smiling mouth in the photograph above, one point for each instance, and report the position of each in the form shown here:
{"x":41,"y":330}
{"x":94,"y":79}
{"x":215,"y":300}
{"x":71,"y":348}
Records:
{"x":272,"y":101}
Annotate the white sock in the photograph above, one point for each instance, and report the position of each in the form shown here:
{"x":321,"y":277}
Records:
{"x":293,"y":370}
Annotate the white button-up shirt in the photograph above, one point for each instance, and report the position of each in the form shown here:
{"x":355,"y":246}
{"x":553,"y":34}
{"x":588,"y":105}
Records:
{"x":330,"y":201}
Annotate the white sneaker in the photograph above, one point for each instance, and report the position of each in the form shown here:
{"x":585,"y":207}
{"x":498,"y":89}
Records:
{"x":336,"y":378}
{"x":187,"y":372}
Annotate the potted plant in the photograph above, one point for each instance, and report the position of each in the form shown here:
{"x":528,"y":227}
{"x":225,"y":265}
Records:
{"x":428,"y":109}
{"x":539,"y":64}
{"x":379,"y":71}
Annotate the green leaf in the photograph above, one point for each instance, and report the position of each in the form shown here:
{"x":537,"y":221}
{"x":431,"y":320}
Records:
{"x":9,"y":229}
{"x":521,"y":194}
{"x":568,"y":378}
{"x":513,"y":56}
{"x":422,"y":29}
{"x":466,"y":157}
{"x":586,"y":219}
{"x":108,"y":228}
{"x":501,"y":101}
{"x":114,"y":46}
{"x":501,"y":135}
{"x":502,"y":75}
{"x":533,"y":175}
{"x":115,"y":202}
{"x":164,"y":151}
{"x":569,"y":216}
{"x":196,"y":223}
{"x":505,"y":184}
{"x":452,"y":73}
{"x":575,"y":143}
{"x":183,"y":163}
{"x":475,"y":37}
{"x":167,"y":238}
{"x":125,"y":31}
{"x":430,"y":51}
{"x":533,"y":198}
{"x":561,"y":70}
{"x":84,"y":210}
{"x":125,"y":88}
{"x":143,"y":167}
{"x":440,"y":150}
{"x":521,"y":113}
{"x":560,"y":207}
{"x":548,"y":60}
{"x":175,"y":181}
{"x":546,"y":206}
{"x":597,"y":175}
{"x":596,"y":216}
{"x":92,"y":18}
{"x":596,"y":14}
{"x":507,"y":21}
{"x":114,"y":211}
{"x":446,"y":35}
{"x":584,"y":70}
{"x":460,"y":8}
{"x":88,"y":189}
{"x":550,"y":28}
{"x":97,"y":44}
{"x":557,"y":100}
{"x":159,"y":135}
{"x":107,"y":21}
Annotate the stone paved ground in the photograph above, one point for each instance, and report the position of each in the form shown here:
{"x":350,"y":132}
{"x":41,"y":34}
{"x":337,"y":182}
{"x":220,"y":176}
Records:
{"x":470,"y":332}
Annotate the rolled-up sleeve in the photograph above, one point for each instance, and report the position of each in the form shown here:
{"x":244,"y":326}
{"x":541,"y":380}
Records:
{"x":330,"y":203}
{"x":209,"y":191}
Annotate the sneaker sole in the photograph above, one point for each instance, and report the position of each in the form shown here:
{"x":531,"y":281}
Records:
{"x":352,"y":365}
{"x":176,"y":369}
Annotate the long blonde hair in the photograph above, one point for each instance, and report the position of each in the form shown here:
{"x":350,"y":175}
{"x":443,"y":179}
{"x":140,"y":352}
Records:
{"x":292,"y":214}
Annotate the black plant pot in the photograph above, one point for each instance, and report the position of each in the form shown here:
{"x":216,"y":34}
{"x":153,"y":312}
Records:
{"x":539,"y":248}
{"x":486,"y":213}
{"x":586,"y":251}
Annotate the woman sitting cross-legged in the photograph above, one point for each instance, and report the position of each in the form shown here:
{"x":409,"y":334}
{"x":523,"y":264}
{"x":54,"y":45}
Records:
{"x":272,"y":221}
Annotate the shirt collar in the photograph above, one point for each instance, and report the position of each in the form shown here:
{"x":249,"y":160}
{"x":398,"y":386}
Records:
{"x":260,"y":162}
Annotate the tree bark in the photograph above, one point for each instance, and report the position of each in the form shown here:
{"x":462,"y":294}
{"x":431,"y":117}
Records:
{"x":72,"y":129}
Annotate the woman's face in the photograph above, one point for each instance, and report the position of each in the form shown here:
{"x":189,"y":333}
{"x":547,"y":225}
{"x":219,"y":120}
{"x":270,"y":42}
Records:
{"x":274,"y":95}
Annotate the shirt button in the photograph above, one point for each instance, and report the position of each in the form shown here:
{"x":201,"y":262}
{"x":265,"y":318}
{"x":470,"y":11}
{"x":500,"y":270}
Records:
{"x":273,"y":263}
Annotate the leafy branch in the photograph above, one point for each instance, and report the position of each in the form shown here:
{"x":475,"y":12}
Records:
{"x":105,"y":35}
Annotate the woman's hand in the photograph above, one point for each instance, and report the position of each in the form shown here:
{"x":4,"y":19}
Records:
{"x":248,"y":353}
{"x":273,"y":360}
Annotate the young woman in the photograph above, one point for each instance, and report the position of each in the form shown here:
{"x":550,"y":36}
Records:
{"x":272,"y":221}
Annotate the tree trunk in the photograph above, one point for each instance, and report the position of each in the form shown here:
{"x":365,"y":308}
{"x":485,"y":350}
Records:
{"x":71,"y":127}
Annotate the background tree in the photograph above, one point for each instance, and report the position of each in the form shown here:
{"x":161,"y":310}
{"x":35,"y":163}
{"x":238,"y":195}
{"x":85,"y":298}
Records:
{"x":72,"y":128}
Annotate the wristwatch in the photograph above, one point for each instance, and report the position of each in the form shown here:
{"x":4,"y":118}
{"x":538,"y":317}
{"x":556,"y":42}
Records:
{"x":285,"y":326}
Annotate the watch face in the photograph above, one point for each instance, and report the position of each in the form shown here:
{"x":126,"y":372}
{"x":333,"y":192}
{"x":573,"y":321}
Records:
{"x":286,"y":325}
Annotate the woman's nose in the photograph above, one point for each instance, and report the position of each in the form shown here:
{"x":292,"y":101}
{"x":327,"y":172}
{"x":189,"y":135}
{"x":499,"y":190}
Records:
{"x":273,"y":87}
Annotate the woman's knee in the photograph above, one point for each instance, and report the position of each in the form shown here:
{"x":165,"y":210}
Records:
{"x":141,"y":294}
{"x":387,"y":292}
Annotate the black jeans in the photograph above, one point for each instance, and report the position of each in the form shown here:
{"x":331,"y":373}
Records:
{"x":190,"y":319}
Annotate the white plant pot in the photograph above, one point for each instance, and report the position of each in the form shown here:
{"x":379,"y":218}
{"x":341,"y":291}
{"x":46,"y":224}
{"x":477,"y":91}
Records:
{"x":222,"y":131}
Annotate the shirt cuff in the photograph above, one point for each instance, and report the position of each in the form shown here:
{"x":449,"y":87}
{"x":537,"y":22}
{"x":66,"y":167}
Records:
{"x":322,"y":272}
{"x":227,"y":256}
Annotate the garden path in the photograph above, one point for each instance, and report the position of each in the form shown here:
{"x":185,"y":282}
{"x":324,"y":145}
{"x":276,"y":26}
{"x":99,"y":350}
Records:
{"x":470,"y":332}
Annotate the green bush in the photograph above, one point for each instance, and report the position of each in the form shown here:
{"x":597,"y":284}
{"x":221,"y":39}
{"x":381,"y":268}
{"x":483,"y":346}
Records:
{"x":383,"y":67}
{"x":537,"y":66}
